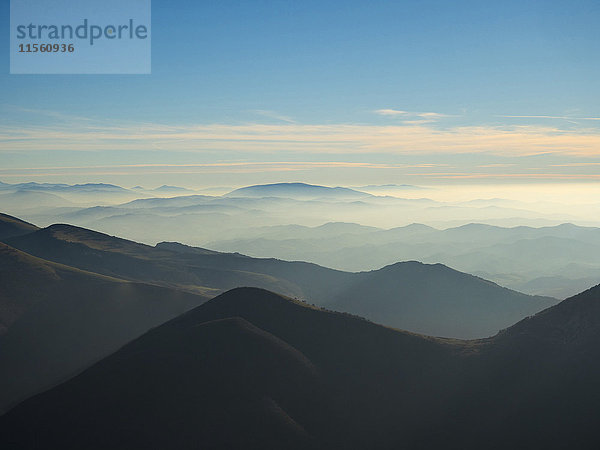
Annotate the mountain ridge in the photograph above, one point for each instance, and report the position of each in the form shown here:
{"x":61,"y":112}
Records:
{"x":394,"y":288}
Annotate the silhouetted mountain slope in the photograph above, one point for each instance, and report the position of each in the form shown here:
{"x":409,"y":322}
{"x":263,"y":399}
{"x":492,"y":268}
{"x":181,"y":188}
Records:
{"x":55,"y":320}
{"x":304,"y":377}
{"x":405,"y":294}
{"x":219,"y":384}
{"x":251,"y":369}
{"x":431,"y":299}
{"x":11,"y":226}
{"x":537,"y":384}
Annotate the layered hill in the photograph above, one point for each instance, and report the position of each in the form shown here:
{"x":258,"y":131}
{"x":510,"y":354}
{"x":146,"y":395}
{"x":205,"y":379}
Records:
{"x":172,"y":264}
{"x":55,"y":320}
{"x":431,"y":299}
{"x":252,"y":369}
{"x":559,"y":261}
{"x":405,"y":295}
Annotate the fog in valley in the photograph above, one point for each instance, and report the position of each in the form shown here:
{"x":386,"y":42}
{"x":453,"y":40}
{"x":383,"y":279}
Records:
{"x":537,"y":239}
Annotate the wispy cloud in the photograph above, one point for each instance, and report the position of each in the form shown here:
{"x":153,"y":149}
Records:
{"x":577,"y":164}
{"x":273,"y":115}
{"x":569,"y":118}
{"x":430,"y":116}
{"x":391,"y":112}
{"x":509,"y":176}
{"x":224,"y":167}
{"x":315,"y":139}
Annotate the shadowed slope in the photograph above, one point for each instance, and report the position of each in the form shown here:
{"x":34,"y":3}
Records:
{"x":330,"y":380}
{"x":537,"y":384}
{"x":11,"y":226}
{"x":57,"y":320}
{"x":218,"y":384}
{"x":306,"y":377}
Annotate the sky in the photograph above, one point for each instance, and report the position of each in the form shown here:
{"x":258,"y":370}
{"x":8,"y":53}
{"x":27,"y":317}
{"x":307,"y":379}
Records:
{"x":335,"y":93}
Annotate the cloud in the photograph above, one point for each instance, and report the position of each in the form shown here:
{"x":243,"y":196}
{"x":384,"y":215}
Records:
{"x":259,"y":138}
{"x":220,"y":167}
{"x":569,"y":118}
{"x":273,"y":115}
{"x":391,"y":112}
{"x":511,"y":176}
{"x":429,"y":116}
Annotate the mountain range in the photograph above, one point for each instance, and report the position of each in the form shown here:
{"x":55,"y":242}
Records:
{"x":71,"y":296}
{"x":340,"y":228}
{"x":431,"y":299}
{"x":523,"y":258}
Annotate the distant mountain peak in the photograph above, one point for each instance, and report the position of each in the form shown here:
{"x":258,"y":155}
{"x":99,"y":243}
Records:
{"x":296,"y":190}
{"x":166,"y":187}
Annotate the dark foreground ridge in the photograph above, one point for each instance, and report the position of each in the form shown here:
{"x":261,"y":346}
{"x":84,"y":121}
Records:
{"x":12,"y":227}
{"x":251,"y":369}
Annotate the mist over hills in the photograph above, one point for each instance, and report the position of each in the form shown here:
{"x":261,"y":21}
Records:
{"x":252,"y":369}
{"x":419,"y":297}
{"x":62,"y":187}
{"x":523,"y":258}
{"x":485,"y":237}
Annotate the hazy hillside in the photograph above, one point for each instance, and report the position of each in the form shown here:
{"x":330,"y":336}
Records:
{"x":297,"y":190}
{"x":438,"y":301}
{"x":405,"y":294}
{"x":251,"y":369}
{"x":55,"y":320}
{"x":522,"y":258}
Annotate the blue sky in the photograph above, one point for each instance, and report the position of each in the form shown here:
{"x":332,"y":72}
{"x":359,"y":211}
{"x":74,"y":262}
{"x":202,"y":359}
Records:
{"x":468,"y":90}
